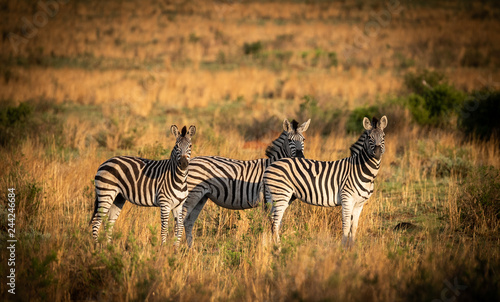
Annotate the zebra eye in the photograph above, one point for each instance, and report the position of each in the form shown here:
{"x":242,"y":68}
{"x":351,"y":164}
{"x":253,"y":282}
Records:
{"x":190,"y":145}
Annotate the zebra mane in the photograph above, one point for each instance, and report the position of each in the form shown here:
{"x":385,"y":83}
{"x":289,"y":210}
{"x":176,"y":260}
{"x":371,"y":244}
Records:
{"x":358,"y":145}
{"x":275,"y":149}
{"x":183,"y":131}
{"x":295,"y":125}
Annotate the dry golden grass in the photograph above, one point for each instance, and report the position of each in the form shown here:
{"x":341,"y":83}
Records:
{"x":150,"y":53}
{"x":111,"y":77}
{"x":233,"y":256}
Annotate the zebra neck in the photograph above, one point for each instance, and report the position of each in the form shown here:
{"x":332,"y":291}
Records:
{"x":173,"y":157}
{"x":279,"y":148}
{"x":174,"y":165}
{"x":267,"y":162}
{"x":369,"y":162}
{"x":358,"y":146}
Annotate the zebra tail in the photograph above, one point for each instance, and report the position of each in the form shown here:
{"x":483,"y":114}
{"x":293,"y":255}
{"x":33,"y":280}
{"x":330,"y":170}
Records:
{"x":96,"y":206}
{"x":265,"y":204}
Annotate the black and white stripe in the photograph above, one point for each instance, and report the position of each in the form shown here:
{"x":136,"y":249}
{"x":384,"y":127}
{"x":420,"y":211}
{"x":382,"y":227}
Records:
{"x":144,"y":182}
{"x":236,"y":184}
{"x":347,"y":182}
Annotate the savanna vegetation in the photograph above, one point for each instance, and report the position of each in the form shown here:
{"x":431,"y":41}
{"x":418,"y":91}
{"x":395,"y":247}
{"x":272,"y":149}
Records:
{"x":99,"y":79}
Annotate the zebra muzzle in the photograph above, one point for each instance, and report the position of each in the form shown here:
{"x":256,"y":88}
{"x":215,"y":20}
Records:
{"x":377,"y":152}
{"x":184,"y":162}
{"x":299,"y":153}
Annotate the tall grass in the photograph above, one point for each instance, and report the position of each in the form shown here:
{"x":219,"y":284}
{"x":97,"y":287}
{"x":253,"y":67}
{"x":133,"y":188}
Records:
{"x":233,"y":257}
{"x":105,"y":78}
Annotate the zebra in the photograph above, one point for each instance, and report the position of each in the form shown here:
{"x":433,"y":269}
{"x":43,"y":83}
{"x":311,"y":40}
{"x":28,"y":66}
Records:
{"x":347,"y":182}
{"x":144,"y":182}
{"x":235,"y":184}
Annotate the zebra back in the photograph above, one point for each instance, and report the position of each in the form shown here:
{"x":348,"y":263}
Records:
{"x":236,"y":184}
{"x":146,"y":182}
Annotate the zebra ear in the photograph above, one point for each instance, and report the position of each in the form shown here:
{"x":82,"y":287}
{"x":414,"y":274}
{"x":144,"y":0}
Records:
{"x":304,"y":126}
{"x":191,"y":131}
{"x":367,"y":124}
{"x":383,"y":123}
{"x":174,"y":130}
{"x":286,"y":125}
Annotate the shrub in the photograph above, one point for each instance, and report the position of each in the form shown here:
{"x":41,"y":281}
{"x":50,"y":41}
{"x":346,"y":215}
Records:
{"x":433,"y":102}
{"x":332,"y":56}
{"x":252,"y":48}
{"x":436,"y":106}
{"x":392,"y":108}
{"x":479,"y":116}
{"x":354,"y":122}
{"x":13,"y":122}
{"x":34,"y":118}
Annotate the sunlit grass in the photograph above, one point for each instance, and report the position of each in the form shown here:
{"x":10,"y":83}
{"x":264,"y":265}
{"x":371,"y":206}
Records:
{"x":233,"y":256}
{"x":107,"y":78}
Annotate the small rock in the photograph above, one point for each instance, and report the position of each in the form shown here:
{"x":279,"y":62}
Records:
{"x":405,"y":226}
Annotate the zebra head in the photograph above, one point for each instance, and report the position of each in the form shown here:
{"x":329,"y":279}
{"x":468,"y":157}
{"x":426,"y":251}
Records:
{"x":375,"y":144}
{"x":296,"y":136}
{"x":182,"y":148}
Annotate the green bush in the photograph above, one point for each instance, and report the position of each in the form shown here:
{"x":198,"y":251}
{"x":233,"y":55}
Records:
{"x":392,"y":108}
{"x":479,"y":115}
{"x":12,"y":115}
{"x":32,"y":118}
{"x":354,"y":122}
{"x":332,"y":56}
{"x":252,"y":48}
{"x":13,"y":122}
{"x":436,"y":106}
{"x":433,"y":101}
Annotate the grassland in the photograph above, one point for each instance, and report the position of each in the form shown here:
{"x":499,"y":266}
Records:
{"x":109,"y":78}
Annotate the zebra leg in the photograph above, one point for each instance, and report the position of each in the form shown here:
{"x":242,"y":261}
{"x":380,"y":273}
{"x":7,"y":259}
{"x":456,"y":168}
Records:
{"x":102,"y":205}
{"x":277,"y":212}
{"x":191,"y":219}
{"x":114,"y":212}
{"x":347,"y":208}
{"x":165,"y":212}
{"x":355,"y":218}
{"x":177,"y":212}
